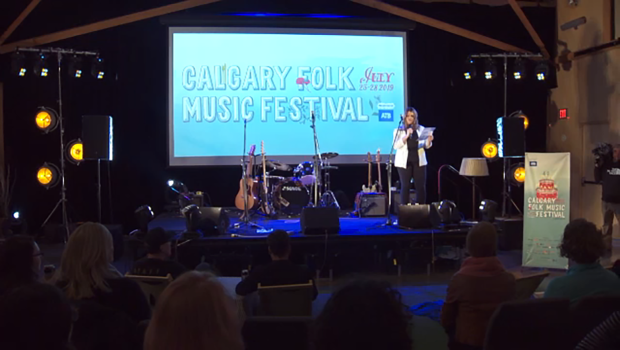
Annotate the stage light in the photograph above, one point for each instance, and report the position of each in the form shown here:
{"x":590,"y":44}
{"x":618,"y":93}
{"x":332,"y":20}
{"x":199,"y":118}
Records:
{"x":97,"y":68}
{"x":469,"y":71}
{"x":542,"y":69}
{"x":144,"y":215}
{"x":520,"y":114}
{"x":517,"y":174}
{"x":177,"y":186}
{"x":518,"y":71}
{"x":75,"y":67}
{"x":41,"y":67}
{"x":75,"y":151}
{"x":488,"y":210}
{"x":193,"y":218}
{"x":448,"y":212}
{"x":490,"y":69}
{"x":489,"y":149}
{"x":16,"y":215}
{"x":48,"y":175}
{"x":18,"y":64}
{"x":46,"y":119}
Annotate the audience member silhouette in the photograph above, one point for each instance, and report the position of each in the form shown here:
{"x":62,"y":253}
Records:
{"x":363,"y":315}
{"x":86,"y":273}
{"x":476,"y":290}
{"x":194,"y":313}
{"x":157,"y":261}
{"x":20,"y":262}
{"x":280,"y":271}
{"x":35,"y":316}
{"x":583,"y":245}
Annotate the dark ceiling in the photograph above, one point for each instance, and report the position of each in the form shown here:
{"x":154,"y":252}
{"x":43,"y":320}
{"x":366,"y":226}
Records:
{"x":55,"y":15}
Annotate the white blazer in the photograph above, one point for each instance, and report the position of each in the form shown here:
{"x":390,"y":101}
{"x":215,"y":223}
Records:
{"x":402,"y":152}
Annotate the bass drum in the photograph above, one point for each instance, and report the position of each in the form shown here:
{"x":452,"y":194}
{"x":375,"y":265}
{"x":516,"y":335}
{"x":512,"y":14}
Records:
{"x":292,"y":197}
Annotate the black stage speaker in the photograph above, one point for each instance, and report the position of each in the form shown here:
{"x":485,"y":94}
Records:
{"x":396,"y":199}
{"x":373,"y":204}
{"x":319,"y":221}
{"x":97,"y":137}
{"x":417,"y":216}
{"x":214,"y":221}
{"x":511,"y":134}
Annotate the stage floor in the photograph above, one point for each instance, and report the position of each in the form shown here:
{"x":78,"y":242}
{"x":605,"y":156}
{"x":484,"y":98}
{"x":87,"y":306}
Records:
{"x":349,"y":226}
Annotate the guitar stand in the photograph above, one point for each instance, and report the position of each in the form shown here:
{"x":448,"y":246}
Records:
{"x":246,"y":223}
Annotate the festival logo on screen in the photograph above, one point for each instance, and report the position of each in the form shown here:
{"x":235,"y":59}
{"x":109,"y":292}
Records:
{"x":227,"y":93}
{"x":548,"y":202}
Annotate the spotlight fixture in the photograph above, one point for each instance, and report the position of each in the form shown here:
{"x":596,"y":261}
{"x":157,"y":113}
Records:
{"x":41,"y":67}
{"x":46,"y":119}
{"x":177,"y":186}
{"x":75,"y":67}
{"x":144,"y":215}
{"x":517,"y":174}
{"x":488,"y":210}
{"x":75,"y":151}
{"x":18,"y":64}
{"x":193,"y":218}
{"x":520,"y":114}
{"x":542,"y":69}
{"x":490,"y":69}
{"x":97,"y":68}
{"x":489,"y":149}
{"x":48,"y":175}
{"x":16,"y":215}
{"x":469,"y":71}
{"x":518,"y":71}
{"x":448,"y":212}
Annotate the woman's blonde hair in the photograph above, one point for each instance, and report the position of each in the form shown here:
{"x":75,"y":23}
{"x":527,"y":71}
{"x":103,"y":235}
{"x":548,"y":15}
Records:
{"x":194,"y":313}
{"x":86,"y":261}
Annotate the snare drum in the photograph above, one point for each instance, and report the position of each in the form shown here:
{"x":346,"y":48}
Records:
{"x":292,"y":197}
{"x":305,"y":173}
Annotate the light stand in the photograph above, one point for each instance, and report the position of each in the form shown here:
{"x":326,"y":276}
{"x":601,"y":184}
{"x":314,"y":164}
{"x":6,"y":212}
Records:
{"x":246,"y":212}
{"x":505,"y":185}
{"x":62,"y":202}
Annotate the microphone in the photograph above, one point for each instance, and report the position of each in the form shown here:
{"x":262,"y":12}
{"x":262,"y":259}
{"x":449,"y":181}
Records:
{"x":312,"y":114}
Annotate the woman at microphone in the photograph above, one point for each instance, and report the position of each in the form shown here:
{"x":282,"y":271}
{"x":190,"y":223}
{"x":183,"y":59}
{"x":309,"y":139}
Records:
{"x":410,"y":158}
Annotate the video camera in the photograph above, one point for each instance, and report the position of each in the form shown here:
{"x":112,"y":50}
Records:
{"x":602,"y":153}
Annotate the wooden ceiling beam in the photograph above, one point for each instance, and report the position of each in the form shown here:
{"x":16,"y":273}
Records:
{"x":440,"y":25}
{"x":528,"y":26}
{"x":18,"y":20}
{"x":106,"y":24}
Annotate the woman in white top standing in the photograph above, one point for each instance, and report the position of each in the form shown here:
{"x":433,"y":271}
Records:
{"x":410,"y":158}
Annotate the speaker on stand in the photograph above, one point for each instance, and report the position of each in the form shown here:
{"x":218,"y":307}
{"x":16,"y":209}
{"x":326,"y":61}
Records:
{"x":97,"y":140}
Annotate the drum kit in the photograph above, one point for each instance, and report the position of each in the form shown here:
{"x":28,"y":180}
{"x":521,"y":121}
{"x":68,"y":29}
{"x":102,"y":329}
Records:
{"x":289,"y":189}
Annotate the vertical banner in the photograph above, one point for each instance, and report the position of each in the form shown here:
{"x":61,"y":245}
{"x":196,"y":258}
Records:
{"x":547,"y":208}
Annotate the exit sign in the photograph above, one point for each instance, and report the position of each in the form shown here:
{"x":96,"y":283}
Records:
{"x":564,"y":114}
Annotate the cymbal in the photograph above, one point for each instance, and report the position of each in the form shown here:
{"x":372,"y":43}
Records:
{"x":328,"y":155}
{"x":330,"y":167}
{"x":277,"y":165}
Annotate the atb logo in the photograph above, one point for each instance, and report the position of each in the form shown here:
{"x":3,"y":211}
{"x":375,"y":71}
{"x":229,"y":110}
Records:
{"x":533,"y":163}
{"x":386,"y":116}
{"x":386,"y":112}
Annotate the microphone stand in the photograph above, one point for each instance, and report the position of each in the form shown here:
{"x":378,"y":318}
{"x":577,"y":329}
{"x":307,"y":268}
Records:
{"x":318,"y":162}
{"x":388,"y":220}
{"x":246,"y":212}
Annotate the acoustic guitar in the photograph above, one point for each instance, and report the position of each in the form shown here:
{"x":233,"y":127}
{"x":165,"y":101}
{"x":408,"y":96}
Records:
{"x":251,"y":191}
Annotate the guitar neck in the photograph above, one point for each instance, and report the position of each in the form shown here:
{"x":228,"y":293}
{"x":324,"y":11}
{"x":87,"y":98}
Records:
{"x":369,"y":174}
{"x":248,"y":171}
{"x":379,"y":172}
